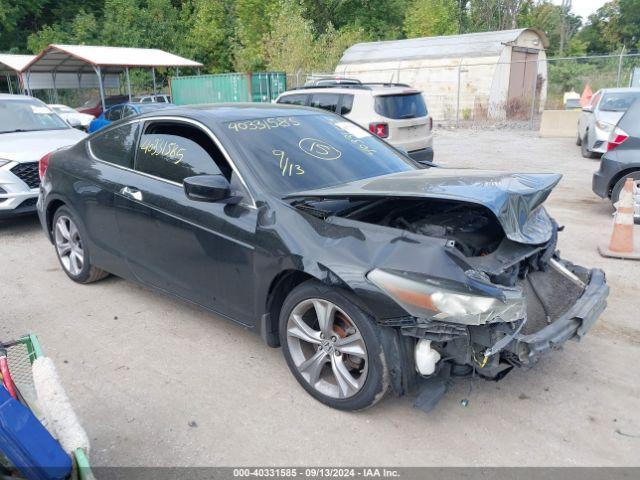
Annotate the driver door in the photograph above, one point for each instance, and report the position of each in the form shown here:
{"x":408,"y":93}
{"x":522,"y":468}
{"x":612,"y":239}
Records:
{"x":200,"y":251}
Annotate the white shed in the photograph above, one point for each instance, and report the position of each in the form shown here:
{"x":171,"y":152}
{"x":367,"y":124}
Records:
{"x":490,"y":74}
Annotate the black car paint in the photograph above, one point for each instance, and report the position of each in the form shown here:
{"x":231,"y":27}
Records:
{"x":237,"y":243}
{"x":240,"y":260}
{"x":624,"y":159}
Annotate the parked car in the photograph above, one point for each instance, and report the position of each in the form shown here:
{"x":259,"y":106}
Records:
{"x":94,"y":107}
{"x":160,"y":98}
{"x":73,"y":117}
{"x":371,"y":271}
{"x":572,"y":104}
{"x":28,"y":130}
{"x":622,"y":159}
{"x":598,"y":119}
{"x":123,"y":110}
{"x":395,"y":112}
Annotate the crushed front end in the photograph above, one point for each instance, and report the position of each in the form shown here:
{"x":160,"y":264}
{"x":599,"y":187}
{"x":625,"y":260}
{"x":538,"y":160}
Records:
{"x":518,"y":300}
{"x":561,"y":303}
{"x":518,"y":306}
{"x":469,"y":260}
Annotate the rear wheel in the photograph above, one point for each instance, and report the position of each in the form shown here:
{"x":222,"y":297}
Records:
{"x":72,"y":251}
{"x":584,"y":147}
{"x":332,"y":347}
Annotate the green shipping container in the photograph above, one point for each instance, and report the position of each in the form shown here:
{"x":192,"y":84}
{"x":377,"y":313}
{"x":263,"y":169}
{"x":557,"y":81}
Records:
{"x":227,"y":87}
{"x":267,"y":86}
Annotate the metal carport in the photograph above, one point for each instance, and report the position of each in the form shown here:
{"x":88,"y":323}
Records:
{"x":13,"y":65}
{"x":82,"y":59}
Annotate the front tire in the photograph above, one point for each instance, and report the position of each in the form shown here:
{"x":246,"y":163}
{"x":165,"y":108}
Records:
{"x":332,"y":347}
{"x":72,"y":250}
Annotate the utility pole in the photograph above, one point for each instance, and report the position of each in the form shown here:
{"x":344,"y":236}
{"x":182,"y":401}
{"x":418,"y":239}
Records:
{"x":620,"y":66}
{"x":565,"y":8}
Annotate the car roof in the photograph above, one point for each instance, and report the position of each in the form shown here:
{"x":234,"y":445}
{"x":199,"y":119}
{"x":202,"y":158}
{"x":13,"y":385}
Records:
{"x":364,"y":89}
{"x":620,"y":90}
{"x":140,"y":104}
{"x":233,"y":112}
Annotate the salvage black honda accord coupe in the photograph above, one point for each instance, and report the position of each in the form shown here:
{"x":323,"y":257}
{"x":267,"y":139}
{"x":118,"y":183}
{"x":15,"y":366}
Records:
{"x":373,"y":272}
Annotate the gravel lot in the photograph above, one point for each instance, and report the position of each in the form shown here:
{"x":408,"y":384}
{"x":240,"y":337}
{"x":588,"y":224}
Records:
{"x":159,"y":383}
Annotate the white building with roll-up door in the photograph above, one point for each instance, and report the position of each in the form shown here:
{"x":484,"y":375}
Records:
{"x":490,"y":74}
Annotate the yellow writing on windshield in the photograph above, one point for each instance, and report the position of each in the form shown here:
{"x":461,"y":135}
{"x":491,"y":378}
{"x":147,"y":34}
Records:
{"x":264,"y":124}
{"x":156,"y":146}
{"x":287,"y":167}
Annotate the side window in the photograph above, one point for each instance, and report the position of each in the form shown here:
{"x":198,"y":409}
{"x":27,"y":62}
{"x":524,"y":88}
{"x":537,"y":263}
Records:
{"x":174,"y":151}
{"x":346,"y":105}
{"x":114,"y":114}
{"x":325,"y":101}
{"x":294,"y":99}
{"x":116,"y":145}
{"x":595,"y":100}
{"x":128,"y":112}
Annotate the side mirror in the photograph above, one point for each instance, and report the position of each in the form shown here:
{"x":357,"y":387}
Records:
{"x":74,"y":122}
{"x":587,"y":109}
{"x":207,"y":188}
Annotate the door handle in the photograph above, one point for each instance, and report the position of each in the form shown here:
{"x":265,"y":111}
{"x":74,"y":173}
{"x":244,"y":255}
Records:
{"x":131,"y":192}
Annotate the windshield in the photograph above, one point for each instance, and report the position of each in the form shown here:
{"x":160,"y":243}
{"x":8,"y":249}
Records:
{"x":28,"y":116}
{"x":401,"y":106}
{"x":295,"y":153}
{"x":618,"y":102}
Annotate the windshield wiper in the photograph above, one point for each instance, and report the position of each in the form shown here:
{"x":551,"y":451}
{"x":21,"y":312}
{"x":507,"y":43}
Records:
{"x":309,"y":205}
{"x":17,"y":130}
{"x":22,"y":130}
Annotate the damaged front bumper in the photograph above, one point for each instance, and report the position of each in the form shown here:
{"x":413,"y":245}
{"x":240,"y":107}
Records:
{"x":493,"y":349}
{"x":574,"y":323}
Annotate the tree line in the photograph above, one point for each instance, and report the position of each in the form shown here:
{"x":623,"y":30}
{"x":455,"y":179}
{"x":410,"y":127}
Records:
{"x":301,"y":35}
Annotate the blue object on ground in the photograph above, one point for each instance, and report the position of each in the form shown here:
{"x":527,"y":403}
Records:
{"x":28,"y":445}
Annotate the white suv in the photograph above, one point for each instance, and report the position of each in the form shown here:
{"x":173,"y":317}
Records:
{"x":395,"y":112}
{"x":28,"y":131}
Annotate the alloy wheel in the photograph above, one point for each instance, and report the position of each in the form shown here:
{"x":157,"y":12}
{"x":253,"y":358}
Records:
{"x":327,"y":348}
{"x":69,"y":245}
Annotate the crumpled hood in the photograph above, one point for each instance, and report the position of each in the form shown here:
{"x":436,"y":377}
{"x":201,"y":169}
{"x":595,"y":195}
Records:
{"x":32,"y":146}
{"x":514,"y":198}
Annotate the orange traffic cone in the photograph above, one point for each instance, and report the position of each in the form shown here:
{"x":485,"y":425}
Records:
{"x":621,"y":244}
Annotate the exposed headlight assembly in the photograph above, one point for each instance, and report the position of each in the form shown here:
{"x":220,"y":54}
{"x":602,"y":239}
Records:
{"x":431,"y":300}
{"x":607,"y":127}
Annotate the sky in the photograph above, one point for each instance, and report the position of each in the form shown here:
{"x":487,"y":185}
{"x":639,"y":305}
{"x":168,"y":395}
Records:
{"x":584,"y":8}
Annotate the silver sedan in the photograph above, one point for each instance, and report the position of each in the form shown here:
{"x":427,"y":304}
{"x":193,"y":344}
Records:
{"x":599,"y":118}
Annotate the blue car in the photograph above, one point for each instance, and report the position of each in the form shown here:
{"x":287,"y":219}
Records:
{"x":123,"y":110}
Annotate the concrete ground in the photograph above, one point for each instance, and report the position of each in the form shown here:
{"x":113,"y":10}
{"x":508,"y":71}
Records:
{"x":159,"y":383}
